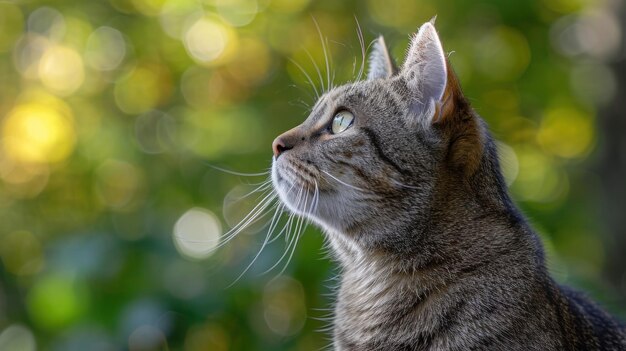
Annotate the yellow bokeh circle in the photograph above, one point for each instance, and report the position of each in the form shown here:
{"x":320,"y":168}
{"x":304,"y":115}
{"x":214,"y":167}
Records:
{"x":210,"y":41}
{"x":38,"y":133}
{"x":566,"y":132}
{"x":61,"y":70}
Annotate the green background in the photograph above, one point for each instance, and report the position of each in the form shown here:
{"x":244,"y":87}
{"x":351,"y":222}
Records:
{"x":114,"y":113}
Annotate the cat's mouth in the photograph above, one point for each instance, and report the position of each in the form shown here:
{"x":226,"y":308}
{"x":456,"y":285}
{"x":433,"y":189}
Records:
{"x":297,"y":187}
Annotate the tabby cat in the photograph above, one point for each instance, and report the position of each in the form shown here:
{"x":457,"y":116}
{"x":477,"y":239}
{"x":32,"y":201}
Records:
{"x":403,"y":177}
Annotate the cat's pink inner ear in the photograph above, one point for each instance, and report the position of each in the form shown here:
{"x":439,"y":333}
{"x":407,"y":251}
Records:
{"x":425,"y":68}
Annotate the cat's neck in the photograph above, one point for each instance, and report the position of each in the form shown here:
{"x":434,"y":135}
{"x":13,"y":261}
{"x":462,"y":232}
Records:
{"x":463,"y":232}
{"x":461,"y":229}
{"x":471,"y":233}
{"x":457,"y":241}
{"x":396,"y":295}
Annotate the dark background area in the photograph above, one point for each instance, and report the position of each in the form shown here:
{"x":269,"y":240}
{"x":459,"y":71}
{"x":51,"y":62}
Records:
{"x":114,"y":114}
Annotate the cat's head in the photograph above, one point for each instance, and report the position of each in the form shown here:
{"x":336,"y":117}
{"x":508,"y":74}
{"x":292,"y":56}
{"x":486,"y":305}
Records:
{"x":370,"y":154}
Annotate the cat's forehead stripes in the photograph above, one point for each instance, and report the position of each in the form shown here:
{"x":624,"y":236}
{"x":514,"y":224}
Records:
{"x":323,"y":108}
{"x":363,"y":96}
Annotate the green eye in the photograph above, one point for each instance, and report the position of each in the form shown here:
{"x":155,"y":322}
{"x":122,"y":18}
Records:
{"x":342,"y":121}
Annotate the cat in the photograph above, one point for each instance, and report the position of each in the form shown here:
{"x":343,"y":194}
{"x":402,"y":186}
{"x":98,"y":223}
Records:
{"x":403,"y":177}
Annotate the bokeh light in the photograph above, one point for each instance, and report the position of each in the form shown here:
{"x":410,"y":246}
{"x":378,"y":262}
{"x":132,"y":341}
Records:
{"x":566,"y":132}
{"x":238,"y":203}
{"x":252,"y":62}
{"x":175,"y":14}
{"x":593,"y":33}
{"x":39,"y":132}
{"x":24,"y":181}
{"x":146,"y":337}
{"x":283,"y":306}
{"x":48,"y":22}
{"x":119,"y":184}
{"x":17,"y":338}
{"x":237,"y":12}
{"x":147,"y":86}
{"x":155,"y":132}
{"x":21,"y":253}
{"x":148,"y":7}
{"x":538,"y":179}
{"x":502,"y":53}
{"x":211,"y":337}
{"x":210,"y":41}
{"x":61,"y":70}
{"x":56,"y":301}
{"x":197,"y":233}
{"x":105,"y":49}
{"x":28,"y":52}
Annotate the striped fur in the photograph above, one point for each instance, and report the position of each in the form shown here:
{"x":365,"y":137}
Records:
{"x":434,"y":254}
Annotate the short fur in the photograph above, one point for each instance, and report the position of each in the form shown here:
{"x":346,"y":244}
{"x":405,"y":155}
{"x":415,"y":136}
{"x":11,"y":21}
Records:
{"x":433,"y":252}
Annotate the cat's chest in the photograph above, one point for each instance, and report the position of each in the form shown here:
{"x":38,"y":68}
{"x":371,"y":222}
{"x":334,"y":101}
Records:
{"x":384,"y":310}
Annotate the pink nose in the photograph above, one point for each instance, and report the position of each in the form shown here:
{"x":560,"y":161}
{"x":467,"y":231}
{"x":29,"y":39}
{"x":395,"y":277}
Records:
{"x":279,"y":146}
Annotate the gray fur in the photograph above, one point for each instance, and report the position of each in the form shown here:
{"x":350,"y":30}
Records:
{"x":433,"y":253}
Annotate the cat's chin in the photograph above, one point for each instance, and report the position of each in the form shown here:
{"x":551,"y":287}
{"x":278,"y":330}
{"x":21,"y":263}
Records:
{"x":298,"y":196}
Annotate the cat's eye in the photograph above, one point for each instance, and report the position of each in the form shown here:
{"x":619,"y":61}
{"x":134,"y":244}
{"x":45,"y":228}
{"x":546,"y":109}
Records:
{"x":342,"y":121}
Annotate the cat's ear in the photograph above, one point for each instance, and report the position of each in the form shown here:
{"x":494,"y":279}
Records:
{"x":381,"y":65}
{"x":437,"y":99}
{"x":425,"y":70}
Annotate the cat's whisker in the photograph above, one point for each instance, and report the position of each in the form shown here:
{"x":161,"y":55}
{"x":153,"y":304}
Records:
{"x":397,"y":182}
{"x":363,"y":51}
{"x":237,"y":173}
{"x":302,"y":103}
{"x":298,"y":199}
{"x":283,"y":230}
{"x":276,"y":236}
{"x":256,"y":183}
{"x":248,"y":219}
{"x":260,"y":217}
{"x":252,"y":217}
{"x":333,"y":72}
{"x":272,"y":227}
{"x":262,"y":188}
{"x":325,"y":50}
{"x":299,"y":229}
{"x":268,"y":196}
{"x":287,"y":225}
{"x":314,"y":202}
{"x":342,"y":182}
{"x":317,"y":69}
{"x":307,"y":76}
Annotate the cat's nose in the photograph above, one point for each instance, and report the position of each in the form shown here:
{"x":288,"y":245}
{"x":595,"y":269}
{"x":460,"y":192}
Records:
{"x":279,"y":146}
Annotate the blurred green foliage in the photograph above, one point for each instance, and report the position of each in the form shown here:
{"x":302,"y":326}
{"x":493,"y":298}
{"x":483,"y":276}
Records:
{"x":112,"y":113}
